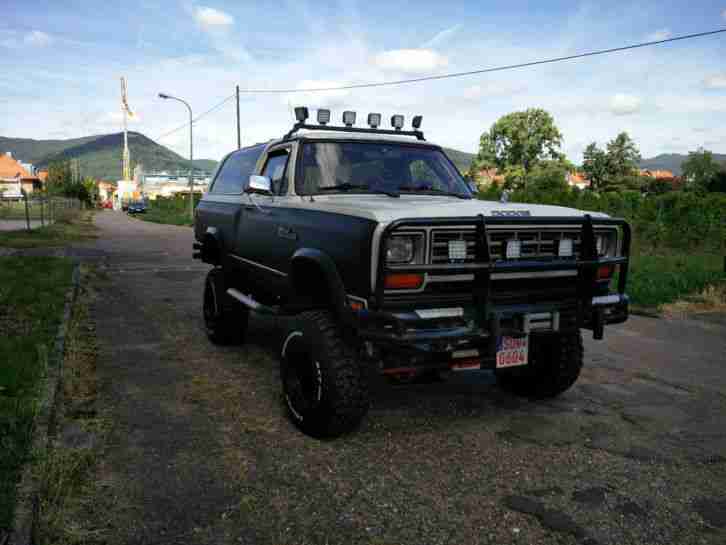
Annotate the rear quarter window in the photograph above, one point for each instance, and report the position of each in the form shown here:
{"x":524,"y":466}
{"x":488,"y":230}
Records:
{"x":233,"y":176}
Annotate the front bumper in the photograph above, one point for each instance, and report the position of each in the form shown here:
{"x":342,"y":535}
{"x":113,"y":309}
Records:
{"x":476,"y":322}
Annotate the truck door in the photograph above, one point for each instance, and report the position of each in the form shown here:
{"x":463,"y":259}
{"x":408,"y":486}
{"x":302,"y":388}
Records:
{"x":266,"y":241}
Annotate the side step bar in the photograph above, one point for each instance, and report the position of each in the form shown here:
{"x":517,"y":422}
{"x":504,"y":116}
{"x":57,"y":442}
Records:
{"x":250,"y":303}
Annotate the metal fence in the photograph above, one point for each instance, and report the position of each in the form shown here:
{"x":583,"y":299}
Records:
{"x":37,"y":209}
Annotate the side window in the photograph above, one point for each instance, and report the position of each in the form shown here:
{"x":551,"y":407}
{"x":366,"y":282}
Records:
{"x":275,"y":169}
{"x":423,"y":175}
{"x":234,"y":174}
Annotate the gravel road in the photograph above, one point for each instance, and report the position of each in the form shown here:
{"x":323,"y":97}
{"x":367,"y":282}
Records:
{"x":201,"y":452}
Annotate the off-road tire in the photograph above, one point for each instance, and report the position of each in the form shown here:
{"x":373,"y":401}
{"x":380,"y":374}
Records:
{"x":225,"y":320}
{"x":554,"y":366}
{"x":324,"y":385}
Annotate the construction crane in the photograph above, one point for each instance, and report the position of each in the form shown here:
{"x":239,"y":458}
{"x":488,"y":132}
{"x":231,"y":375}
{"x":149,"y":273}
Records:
{"x":127,"y":113}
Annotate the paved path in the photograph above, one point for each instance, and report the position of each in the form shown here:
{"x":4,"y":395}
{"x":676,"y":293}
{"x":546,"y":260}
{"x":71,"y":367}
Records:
{"x":16,"y":225}
{"x":201,"y":452}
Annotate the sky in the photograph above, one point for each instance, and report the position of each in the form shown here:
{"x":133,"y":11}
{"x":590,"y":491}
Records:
{"x":61,"y":64}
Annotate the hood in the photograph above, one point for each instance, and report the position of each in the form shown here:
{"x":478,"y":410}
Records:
{"x":384,"y":209}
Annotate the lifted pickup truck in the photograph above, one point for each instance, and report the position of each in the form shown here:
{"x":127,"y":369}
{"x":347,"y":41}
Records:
{"x":371,"y":241}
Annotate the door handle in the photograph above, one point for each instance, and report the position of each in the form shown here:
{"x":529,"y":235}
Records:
{"x":286,"y":232}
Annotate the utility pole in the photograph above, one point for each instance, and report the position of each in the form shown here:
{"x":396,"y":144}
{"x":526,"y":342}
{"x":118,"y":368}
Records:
{"x":239,"y":139}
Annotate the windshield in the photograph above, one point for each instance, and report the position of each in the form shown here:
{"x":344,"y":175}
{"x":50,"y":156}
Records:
{"x":377,"y":167}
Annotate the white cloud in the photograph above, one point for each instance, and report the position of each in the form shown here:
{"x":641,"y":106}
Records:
{"x":209,"y":18}
{"x":410,"y":61}
{"x":37,"y":38}
{"x":662,"y":34}
{"x":622,"y":104}
{"x":715,"y":81}
{"x":442,"y":37}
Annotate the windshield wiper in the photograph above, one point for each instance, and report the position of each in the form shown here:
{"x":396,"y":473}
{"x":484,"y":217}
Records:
{"x":436,"y":190}
{"x":348,"y":187}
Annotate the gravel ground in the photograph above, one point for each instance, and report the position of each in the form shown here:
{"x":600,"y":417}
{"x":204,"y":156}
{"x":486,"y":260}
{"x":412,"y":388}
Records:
{"x":201,"y":450}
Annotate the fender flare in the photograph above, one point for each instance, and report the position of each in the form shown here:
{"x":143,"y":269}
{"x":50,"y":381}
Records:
{"x":332,"y":280}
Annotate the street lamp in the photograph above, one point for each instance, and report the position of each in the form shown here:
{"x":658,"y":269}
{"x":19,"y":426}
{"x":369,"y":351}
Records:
{"x":191,"y":152}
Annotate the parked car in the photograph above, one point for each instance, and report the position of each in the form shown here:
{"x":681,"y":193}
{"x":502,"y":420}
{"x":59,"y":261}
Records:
{"x":137,"y":207}
{"x":369,"y":239}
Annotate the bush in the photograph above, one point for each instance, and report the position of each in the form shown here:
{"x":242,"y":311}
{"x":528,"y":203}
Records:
{"x":679,"y":220}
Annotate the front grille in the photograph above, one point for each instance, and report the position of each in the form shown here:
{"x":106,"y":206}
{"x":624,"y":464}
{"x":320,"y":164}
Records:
{"x":534,"y":291}
{"x":440,"y":245}
{"x":535,"y":243}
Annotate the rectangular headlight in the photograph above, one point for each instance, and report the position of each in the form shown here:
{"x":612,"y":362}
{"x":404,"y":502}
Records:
{"x":402,"y":249}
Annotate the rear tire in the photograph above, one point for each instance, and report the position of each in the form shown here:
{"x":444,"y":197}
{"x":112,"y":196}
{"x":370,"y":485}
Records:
{"x":554,"y":366}
{"x":225,"y":319}
{"x":324,"y":385}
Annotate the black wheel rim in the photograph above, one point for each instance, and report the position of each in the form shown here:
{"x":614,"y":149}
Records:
{"x":302,"y":377}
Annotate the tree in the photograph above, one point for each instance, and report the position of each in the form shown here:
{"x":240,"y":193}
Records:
{"x":623,"y":156}
{"x":595,"y":165}
{"x":616,"y":168}
{"x":522,"y":140}
{"x":59,"y":175}
{"x":700,"y":170}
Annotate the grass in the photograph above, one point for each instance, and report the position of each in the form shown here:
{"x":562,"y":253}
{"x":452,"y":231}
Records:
{"x":659,"y":279}
{"x":32,"y":295}
{"x":72,"y":226}
{"x":167,"y":216}
{"x":169,"y":210}
{"x":66,"y":470}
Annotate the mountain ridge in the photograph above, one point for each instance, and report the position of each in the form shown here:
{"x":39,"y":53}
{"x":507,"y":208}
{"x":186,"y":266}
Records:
{"x":100,"y":155}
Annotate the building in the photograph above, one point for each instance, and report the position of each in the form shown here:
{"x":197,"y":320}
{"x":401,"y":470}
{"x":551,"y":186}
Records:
{"x":578,"y":180}
{"x":657,"y":174}
{"x":105,"y":191}
{"x":15,"y":178}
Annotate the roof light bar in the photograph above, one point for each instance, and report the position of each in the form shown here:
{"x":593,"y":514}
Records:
{"x":301,"y":114}
{"x":374,"y":120}
{"x":397,"y":122}
{"x":348,"y":118}
{"x":323,"y":117}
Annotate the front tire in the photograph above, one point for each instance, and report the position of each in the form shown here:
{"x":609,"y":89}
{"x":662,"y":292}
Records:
{"x":555,"y":364}
{"x":324,"y":385}
{"x":225,"y":319}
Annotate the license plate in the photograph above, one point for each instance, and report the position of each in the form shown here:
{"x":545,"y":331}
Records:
{"x":512,"y":351}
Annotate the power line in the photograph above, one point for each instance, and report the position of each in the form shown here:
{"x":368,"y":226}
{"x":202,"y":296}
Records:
{"x":213,"y":108}
{"x":451,"y":75}
{"x":488,"y":70}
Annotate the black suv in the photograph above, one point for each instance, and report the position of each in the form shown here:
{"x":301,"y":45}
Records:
{"x":372,"y":241}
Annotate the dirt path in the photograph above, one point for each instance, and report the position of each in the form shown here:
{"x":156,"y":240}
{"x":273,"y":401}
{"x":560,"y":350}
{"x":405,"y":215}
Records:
{"x":201,"y":451}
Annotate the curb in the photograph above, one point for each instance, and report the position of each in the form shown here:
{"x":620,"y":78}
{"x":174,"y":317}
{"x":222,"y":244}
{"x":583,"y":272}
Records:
{"x":29,"y":490}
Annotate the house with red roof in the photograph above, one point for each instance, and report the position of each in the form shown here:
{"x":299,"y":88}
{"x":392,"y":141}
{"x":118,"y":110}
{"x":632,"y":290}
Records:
{"x":14,"y":178}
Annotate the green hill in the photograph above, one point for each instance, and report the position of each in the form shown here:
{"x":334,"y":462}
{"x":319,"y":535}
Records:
{"x":672,"y":162}
{"x":461,"y":159}
{"x":100,"y":155}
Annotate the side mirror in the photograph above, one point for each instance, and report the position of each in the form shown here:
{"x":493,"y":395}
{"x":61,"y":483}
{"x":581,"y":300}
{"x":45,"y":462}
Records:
{"x":259,"y":184}
{"x":473,"y":187}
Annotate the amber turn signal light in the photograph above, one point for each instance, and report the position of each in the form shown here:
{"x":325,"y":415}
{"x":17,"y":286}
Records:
{"x":403,"y":281}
